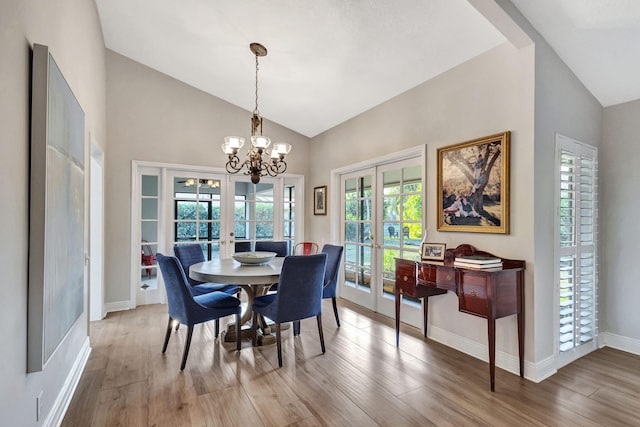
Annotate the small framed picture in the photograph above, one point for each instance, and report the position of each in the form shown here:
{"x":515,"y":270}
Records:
{"x":433,"y":251}
{"x":320,"y":200}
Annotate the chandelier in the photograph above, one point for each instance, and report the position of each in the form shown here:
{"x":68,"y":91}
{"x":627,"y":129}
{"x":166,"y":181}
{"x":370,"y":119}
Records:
{"x":261,"y":160}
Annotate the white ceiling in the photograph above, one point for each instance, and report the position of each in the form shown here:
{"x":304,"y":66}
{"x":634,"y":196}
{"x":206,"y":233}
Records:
{"x":331,"y":60}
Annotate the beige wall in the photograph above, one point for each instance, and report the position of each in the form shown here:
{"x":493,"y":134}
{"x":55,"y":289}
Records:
{"x":154,"y":117}
{"x":71,"y":30}
{"x":488,"y":94}
{"x":620,"y":175}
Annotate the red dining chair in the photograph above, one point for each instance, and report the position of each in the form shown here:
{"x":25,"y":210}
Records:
{"x":305,"y":248}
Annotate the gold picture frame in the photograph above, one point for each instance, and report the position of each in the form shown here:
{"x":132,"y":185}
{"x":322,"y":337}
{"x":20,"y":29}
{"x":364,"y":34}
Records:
{"x":473,"y":185}
{"x":320,"y":200}
{"x":433,"y":251}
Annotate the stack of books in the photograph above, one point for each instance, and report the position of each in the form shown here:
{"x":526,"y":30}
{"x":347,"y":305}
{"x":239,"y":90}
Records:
{"x":478,"y":262}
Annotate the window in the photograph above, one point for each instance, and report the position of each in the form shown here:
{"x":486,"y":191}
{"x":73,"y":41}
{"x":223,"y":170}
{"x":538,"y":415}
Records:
{"x":576,"y":226}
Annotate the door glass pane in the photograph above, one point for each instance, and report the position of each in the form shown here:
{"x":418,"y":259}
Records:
{"x":186,"y":211}
{"x":149,"y":186}
{"x":186,"y":231}
{"x":149,"y":208}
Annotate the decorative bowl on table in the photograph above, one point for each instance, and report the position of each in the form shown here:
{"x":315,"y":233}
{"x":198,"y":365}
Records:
{"x":253,"y":258}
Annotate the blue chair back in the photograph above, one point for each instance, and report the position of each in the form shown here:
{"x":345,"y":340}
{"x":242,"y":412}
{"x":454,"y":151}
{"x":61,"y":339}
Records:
{"x":179,"y":297}
{"x":242,"y":247}
{"x":189,"y":255}
{"x":280,"y":248}
{"x":334,"y":258}
{"x":300,"y":288}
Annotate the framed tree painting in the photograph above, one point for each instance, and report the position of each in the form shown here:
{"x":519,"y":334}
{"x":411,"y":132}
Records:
{"x":473,"y":185}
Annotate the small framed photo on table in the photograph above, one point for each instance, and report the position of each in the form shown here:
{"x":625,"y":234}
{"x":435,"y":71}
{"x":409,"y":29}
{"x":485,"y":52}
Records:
{"x":433,"y":251}
{"x":320,"y":200}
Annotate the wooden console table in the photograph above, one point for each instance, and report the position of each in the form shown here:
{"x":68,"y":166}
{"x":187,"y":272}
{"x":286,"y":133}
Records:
{"x":488,"y":294}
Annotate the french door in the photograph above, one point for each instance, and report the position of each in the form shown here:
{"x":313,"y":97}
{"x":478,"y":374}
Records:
{"x":215,"y":210}
{"x":381,"y":219}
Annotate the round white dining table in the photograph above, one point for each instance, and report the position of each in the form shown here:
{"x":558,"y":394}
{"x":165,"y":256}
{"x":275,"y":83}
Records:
{"x":255,"y":280}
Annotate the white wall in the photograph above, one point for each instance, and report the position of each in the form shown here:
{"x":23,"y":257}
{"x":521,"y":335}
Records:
{"x":154,"y":117}
{"x":488,"y":94}
{"x":620,"y":175}
{"x":563,"y":105}
{"x":71,"y":30}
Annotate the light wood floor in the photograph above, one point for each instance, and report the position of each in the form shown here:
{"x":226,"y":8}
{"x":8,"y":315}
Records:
{"x":362,"y":380}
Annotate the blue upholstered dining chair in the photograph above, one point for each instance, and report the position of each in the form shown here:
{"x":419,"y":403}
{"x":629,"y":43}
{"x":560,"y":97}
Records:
{"x":192,"y":254}
{"x":299,"y":296}
{"x":190,"y":310}
{"x":280,"y":248}
{"x":334,"y":257}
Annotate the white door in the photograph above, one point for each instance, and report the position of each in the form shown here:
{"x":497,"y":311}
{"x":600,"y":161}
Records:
{"x":399,"y":231}
{"x":357,"y":217}
{"x":382,"y":219}
{"x":197,"y":213}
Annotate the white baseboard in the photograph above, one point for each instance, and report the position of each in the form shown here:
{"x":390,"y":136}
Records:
{"x":60,"y":406}
{"x":541,"y":370}
{"x":110,"y":307}
{"x":630,"y":345}
{"x":535,"y":372}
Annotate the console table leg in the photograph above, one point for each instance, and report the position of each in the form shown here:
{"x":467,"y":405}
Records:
{"x":521,"y":342}
{"x":398,"y":296}
{"x":492,"y":351}
{"x":425,"y":311}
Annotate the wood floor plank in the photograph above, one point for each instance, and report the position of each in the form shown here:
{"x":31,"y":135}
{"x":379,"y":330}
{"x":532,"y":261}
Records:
{"x":173,"y":399}
{"x":83,"y":405}
{"x":229,"y":407}
{"x":123,"y":406}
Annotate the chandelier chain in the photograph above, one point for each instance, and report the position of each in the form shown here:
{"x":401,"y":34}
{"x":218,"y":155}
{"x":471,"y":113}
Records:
{"x":256,"y":111}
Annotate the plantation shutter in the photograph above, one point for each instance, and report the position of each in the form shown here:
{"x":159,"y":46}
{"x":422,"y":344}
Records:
{"x":576,"y":249}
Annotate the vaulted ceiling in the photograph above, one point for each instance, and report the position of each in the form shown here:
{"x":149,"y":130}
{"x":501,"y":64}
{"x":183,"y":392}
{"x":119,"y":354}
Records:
{"x":331,"y":60}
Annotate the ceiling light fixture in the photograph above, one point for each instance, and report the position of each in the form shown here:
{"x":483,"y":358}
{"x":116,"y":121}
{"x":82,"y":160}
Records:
{"x":261,"y":160}
{"x":201,"y":182}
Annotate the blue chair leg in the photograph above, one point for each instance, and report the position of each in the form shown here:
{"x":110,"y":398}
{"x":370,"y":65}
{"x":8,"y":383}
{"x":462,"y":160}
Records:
{"x":187,"y":344}
{"x":319,"y":318}
{"x":167,"y":336}
{"x":296,"y":328}
{"x":279,"y":344}
{"x":335,"y":310}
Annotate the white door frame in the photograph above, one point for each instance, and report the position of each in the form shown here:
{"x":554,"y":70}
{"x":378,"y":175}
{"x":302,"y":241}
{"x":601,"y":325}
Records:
{"x":96,"y":232}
